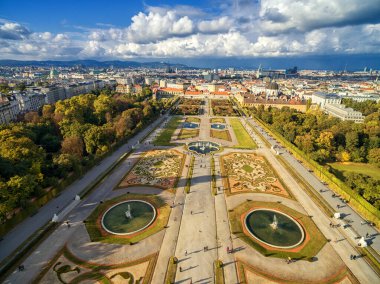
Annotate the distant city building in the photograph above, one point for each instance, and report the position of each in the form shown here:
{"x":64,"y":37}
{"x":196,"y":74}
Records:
{"x":344,"y":113}
{"x":30,"y":101}
{"x":271,"y":89}
{"x":322,"y":99}
{"x":250,"y":100}
{"x":9,"y":109}
{"x":178,"y":85}
{"x":211,"y":77}
{"x":124,"y":89}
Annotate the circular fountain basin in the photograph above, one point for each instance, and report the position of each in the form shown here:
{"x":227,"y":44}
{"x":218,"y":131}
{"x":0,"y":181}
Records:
{"x":190,"y":125}
{"x":218,"y":126}
{"x":281,"y":231}
{"x":115,"y":221}
{"x":203,"y":147}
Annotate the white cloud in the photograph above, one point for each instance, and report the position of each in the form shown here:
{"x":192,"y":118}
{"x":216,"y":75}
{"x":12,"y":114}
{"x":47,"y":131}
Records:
{"x":13,"y":31}
{"x":219,"y":25}
{"x":155,"y":26}
{"x":276,"y":28}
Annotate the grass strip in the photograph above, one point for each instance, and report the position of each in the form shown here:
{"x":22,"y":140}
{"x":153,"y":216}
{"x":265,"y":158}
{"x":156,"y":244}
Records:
{"x":217,"y":120}
{"x":164,"y":138}
{"x":193,"y":119}
{"x":220,"y":134}
{"x":188,"y":133}
{"x":219,"y":272}
{"x":171,"y":271}
{"x":244,"y":139}
{"x":189,"y":175}
{"x":260,"y":135}
{"x":213,"y":177}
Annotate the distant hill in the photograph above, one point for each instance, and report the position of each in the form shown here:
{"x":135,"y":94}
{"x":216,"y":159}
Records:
{"x":91,"y":63}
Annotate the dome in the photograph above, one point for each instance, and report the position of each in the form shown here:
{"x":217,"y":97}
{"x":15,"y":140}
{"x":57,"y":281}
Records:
{"x":266,"y":80}
{"x":272,"y":86}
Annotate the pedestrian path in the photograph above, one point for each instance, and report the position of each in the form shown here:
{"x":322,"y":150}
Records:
{"x":197,"y":247}
{"x":225,"y":250}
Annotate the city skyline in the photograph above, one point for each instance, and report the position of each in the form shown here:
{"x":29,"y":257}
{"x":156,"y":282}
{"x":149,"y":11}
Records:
{"x":194,"y":32}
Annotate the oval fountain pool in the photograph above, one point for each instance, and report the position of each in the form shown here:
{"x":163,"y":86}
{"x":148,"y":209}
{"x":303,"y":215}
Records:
{"x":128,"y":217}
{"x":274,"y":228}
{"x":191,"y":125}
{"x":203,"y":147}
{"x":218,"y":126}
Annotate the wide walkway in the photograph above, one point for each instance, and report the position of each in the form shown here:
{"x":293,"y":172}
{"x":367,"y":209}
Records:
{"x":197,"y":247}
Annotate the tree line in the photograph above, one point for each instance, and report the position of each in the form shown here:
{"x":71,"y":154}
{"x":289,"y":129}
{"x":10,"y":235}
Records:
{"x":64,"y":139}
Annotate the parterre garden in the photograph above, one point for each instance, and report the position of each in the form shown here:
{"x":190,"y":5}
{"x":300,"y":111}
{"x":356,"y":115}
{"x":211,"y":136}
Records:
{"x":188,"y":107}
{"x":248,"y":172}
{"x":223,"y":108}
{"x":67,"y":268}
{"x":159,"y":168}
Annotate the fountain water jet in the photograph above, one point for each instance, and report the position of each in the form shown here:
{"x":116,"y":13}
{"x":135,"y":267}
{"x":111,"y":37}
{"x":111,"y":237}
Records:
{"x":128,"y":213}
{"x":274,"y":224}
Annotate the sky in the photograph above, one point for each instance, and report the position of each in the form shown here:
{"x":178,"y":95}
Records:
{"x":191,"y":31}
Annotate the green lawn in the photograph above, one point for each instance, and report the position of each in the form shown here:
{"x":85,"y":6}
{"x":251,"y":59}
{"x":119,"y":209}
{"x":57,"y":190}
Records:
{"x":193,"y":119}
{"x":221,"y":134}
{"x":359,"y":168}
{"x":164,"y":138}
{"x":188,"y":133}
{"x":247,"y":168}
{"x":244,"y":140}
{"x":217,"y":120}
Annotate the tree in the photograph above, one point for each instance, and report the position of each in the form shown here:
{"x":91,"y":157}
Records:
{"x":325,"y":140}
{"x":374,"y":156}
{"x":50,"y":142}
{"x":103,"y":104}
{"x":352,"y":140}
{"x":344,"y":156}
{"x":48,"y":112}
{"x":32,"y":117}
{"x":73,"y":145}
{"x":305,"y":143}
{"x":65,"y":162}
{"x":21,"y":187}
{"x":96,"y":137}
